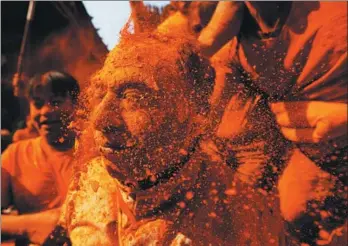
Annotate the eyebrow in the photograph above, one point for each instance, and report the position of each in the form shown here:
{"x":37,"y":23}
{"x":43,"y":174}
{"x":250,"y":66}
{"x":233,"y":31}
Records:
{"x":132,"y":85}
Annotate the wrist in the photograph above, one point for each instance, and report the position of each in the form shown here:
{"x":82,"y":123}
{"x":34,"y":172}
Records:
{"x":24,"y":225}
{"x":14,"y":225}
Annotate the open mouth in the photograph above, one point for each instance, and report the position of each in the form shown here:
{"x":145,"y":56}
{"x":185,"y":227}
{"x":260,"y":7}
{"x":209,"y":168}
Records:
{"x":112,"y":148}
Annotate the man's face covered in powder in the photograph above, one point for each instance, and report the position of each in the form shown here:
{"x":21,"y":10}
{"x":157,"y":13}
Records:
{"x":134,"y":120}
{"x":141,"y":123}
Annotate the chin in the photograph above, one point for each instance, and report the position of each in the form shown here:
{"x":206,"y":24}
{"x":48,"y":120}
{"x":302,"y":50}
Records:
{"x":51,"y":137}
{"x":128,"y":162}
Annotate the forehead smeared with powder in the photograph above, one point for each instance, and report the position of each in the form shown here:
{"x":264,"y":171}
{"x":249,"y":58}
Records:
{"x":122,"y":75}
{"x":148,"y":58}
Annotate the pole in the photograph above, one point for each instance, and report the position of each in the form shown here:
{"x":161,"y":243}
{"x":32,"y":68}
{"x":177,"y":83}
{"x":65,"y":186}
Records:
{"x":17,"y":83}
{"x":30,"y":15}
{"x":19,"y":86}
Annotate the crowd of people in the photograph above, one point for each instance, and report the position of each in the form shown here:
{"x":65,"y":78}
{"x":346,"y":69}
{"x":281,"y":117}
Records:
{"x":225,"y":124}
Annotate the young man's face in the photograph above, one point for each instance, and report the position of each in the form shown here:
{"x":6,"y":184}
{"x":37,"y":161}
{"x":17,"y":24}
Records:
{"x":51,"y":113}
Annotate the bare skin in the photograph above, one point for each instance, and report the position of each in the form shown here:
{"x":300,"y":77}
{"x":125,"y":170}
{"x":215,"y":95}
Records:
{"x":36,"y":227}
{"x":311,"y":122}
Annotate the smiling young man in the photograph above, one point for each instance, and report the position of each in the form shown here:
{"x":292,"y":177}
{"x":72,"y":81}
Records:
{"x":35,"y":173}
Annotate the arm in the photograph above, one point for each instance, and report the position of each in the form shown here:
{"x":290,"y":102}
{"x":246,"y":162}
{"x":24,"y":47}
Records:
{"x":36,"y":227}
{"x":223,"y":26}
{"x":8,"y":163}
{"x":6,"y":196}
{"x":12,"y":226}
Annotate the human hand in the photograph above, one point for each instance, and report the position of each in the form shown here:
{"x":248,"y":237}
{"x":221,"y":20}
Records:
{"x":235,"y":116}
{"x":40,"y":225}
{"x":209,"y":147}
{"x":311,"y":121}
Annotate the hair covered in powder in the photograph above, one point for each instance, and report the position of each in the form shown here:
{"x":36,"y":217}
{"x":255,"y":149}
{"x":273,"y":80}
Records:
{"x":172,"y":62}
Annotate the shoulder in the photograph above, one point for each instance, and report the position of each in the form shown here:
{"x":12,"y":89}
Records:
{"x":15,"y":149}
{"x":318,"y":34}
{"x":324,"y":20}
{"x":23,"y":134}
{"x":90,"y":196}
{"x":26,"y":143}
{"x":11,"y":156}
{"x":92,"y":177}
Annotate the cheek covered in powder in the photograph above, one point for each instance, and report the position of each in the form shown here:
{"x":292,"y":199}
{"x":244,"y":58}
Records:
{"x":139,"y":122}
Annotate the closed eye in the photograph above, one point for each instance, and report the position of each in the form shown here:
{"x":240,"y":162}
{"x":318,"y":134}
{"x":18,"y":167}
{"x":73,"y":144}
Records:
{"x":132,"y":94}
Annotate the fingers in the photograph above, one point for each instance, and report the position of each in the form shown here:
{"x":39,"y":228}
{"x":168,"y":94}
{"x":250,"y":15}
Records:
{"x":296,"y":114}
{"x":211,"y":150}
{"x":294,"y":120}
{"x":235,"y":116}
{"x":233,"y":104}
{"x":327,"y":118}
{"x":321,"y":131}
{"x":278,"y":107}
{"x":308,"y":135}
{"x":304,"y":135}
